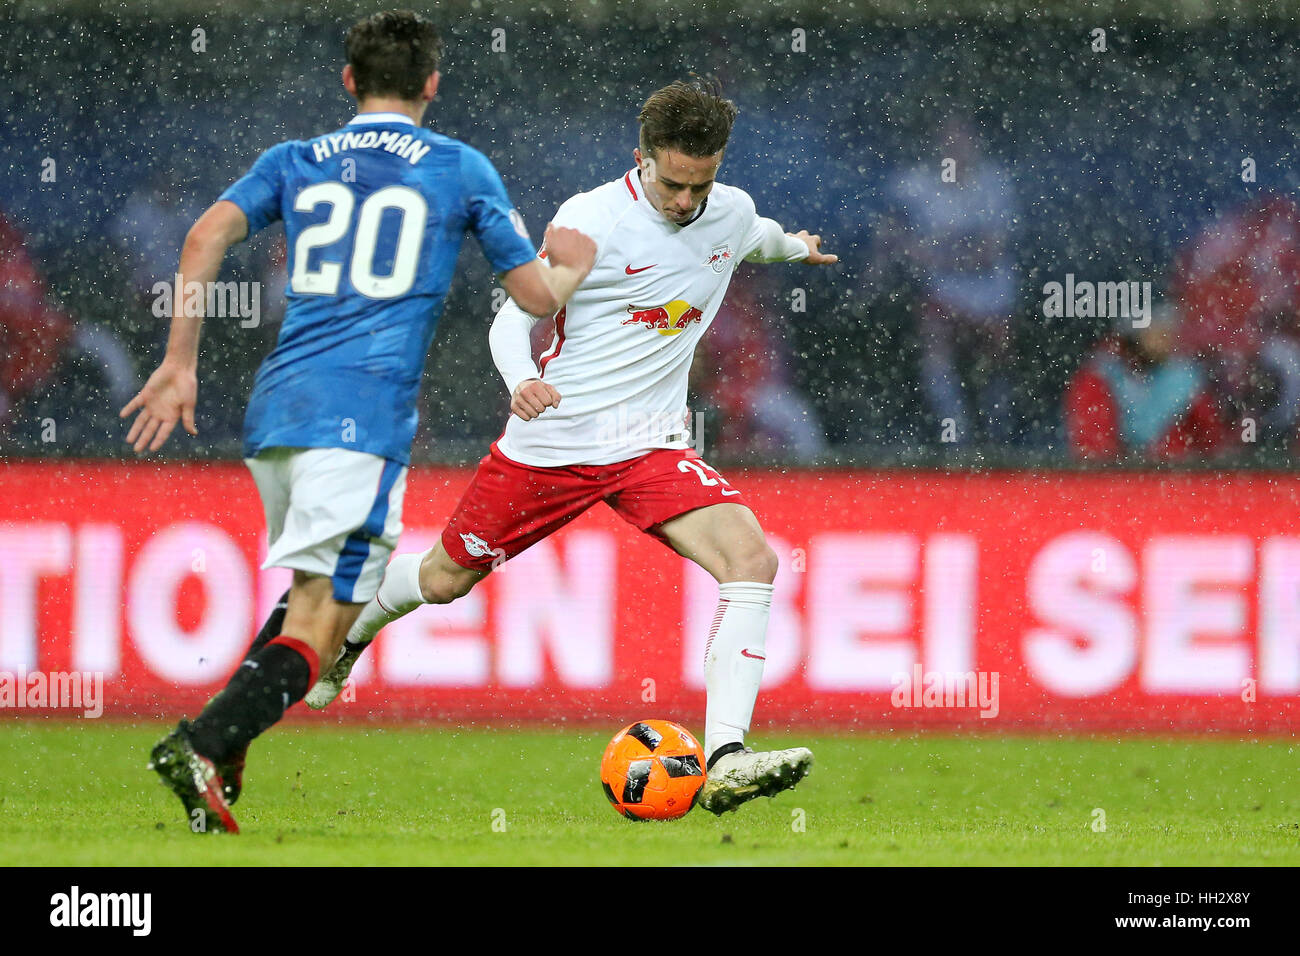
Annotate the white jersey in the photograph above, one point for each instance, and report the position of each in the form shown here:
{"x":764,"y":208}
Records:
{"x":623,"y":343}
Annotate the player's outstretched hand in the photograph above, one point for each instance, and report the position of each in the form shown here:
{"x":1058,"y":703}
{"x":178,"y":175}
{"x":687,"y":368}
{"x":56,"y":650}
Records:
{"x":533,"y":396}
{"x":815,"y":255}
{"x":569,"y":247}
{"x":169,"y":396}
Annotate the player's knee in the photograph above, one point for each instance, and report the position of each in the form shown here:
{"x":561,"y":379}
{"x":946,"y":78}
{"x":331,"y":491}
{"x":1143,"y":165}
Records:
{"x":755,"y":563}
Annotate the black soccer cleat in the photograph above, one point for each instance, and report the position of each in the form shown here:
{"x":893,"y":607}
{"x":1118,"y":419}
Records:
{"x":232,"y":776}
{"x":194,"y":779}
{"x":232,"y":771}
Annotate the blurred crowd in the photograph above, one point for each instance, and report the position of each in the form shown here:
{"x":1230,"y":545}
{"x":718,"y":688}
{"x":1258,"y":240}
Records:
{"x":950,"y":213}
{"x":1213,"y":371}
{"x":54,"y":366}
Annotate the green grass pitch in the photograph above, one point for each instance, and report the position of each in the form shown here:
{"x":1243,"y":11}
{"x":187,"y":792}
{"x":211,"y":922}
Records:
{"x":79,"y":794}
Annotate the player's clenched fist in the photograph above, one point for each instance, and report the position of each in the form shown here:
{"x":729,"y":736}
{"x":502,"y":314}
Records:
{"x":569,"y":247}
{"x":533,"y":396}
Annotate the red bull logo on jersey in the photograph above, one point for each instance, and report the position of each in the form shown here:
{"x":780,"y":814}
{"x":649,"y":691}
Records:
{"x":665,"y":319}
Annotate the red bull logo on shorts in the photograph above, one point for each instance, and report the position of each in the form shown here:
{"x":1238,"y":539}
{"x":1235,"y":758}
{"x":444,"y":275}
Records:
{"x":665,"y":319}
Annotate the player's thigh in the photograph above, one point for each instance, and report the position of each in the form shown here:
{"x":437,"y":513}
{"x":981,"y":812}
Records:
{"x":271,"y":475}
{"x":508,"y":507}
{"x":677,"y":497}
{"x":725,"y":539}
{"x":343,"y":519}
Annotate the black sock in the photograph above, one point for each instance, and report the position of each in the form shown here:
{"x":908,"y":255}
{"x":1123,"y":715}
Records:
{"x":271,"y":629}
{"x":261,"y":690}
{"x":722,"y":752}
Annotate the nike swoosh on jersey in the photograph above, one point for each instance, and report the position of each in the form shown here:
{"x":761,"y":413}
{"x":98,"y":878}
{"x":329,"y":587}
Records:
{"x":630,"y":271}
{"x":757,"y":657}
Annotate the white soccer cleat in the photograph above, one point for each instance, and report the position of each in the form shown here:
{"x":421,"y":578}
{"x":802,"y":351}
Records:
{"x":330,"y":685}
{"x":744,"y":775}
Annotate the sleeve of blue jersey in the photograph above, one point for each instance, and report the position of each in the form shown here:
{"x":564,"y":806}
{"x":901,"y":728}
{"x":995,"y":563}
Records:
{"x":491,"y":216}
{"x":258,"y":192}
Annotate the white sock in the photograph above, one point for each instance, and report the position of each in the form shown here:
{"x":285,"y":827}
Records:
{"x":733,"y":661}
{"x":399,"y":595}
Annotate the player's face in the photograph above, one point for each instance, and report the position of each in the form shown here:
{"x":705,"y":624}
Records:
{"x":675,"y":183}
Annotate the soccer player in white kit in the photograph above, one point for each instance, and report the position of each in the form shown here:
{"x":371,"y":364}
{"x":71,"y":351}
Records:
{"x":604,"y":419}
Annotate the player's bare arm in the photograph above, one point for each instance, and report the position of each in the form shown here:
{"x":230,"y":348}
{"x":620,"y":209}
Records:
{"x":570,"y":255}
{"x":172,"y":390}
{"x":542,"y":287}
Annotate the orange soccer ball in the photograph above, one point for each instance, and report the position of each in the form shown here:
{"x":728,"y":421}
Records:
{"x":652,"y":770}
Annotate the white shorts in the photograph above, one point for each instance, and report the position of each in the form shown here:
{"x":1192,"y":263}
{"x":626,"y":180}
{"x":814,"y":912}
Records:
{"x":332,"y":512}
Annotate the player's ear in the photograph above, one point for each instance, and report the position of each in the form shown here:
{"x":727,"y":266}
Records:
{"x":647,"y":166}
{"x":349,"y":80}
{"x":431,"y":86}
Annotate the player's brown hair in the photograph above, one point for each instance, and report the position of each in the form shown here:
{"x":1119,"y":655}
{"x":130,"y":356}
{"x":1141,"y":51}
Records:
{"x":393,"y":53}
{"x":692,"y":118}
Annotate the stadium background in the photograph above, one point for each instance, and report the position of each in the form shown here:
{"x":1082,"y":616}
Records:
{"x":1140,"y":592}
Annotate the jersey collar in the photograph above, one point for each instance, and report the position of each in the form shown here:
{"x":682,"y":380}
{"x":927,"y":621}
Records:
{"x":382,"y":118}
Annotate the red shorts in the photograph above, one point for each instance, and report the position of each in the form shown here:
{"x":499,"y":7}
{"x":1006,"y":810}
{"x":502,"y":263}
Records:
{"x":509,"y":507}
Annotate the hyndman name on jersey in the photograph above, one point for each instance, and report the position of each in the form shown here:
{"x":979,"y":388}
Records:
{"x":390,"y":141}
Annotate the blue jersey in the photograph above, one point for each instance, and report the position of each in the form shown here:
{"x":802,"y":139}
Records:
{"x":374,"y":216}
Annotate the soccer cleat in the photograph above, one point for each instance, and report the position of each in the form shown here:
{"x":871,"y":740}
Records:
{"x":194,"y":779}
{"x":232,"y":776}
{"x":743,"y":775}
{"x":330,"y":685}
{"x":232,"y":771}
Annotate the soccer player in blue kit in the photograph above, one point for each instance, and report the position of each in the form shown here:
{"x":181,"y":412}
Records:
{"x":374,"y":215}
